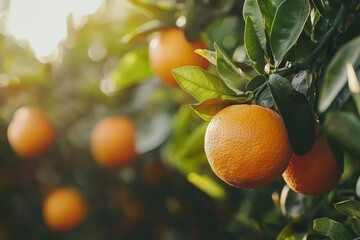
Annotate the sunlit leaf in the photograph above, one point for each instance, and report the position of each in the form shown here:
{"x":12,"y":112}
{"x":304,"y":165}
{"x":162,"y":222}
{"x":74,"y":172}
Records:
{"x":201,"y":84}
{"x":292,"y":204}
{"x":354,"y":85}
{"x":330,"y":228}
{"x":302,"y":81}
{"x":144,"y":30}
{"x":253,"y":47}
{"x":350,"y":208}
{"x":296,"y":113}
{"x":252,"y":10}
{"x":229,"y":73}
{"x":209,"y":55}
{"x":344,"y":129}
{"x":289,"y":21}
{"x":132,"y":68}
{"x":335,"y":76}
{"x":207,"y":185}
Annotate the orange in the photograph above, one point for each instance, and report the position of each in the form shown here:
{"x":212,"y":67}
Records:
{"x":64,"y":209}
{"x":113,"y":141}
{"x":247,"y":146}
{"x":30,"y":132}
{"x":170,"y":49}
{"x":314,"y":173}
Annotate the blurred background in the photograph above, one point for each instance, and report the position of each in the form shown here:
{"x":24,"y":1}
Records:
{"x":81,"y":61}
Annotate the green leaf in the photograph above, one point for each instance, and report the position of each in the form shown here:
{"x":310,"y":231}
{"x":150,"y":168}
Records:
{"x":327,"y":9}
{"x":289,"y":21}
{"x":209,"y":108}
{"x":132,"y":68}
{"x":344,"y":129}
{"x":255,"y":82}
{"x":185,"y":149}
{"x":207,"y":10}
{"x":229,"y":73}
{"x":289,"y":232}
{"x":296,"y":113}
{"x":252,"y":9}
{"x":201,"y":84}
{"x":207,"y":185}
{"x":350,"y":208}
{"x":143,"y":31}
{"x":209,"y":55}
{"x":302,"y":81}
{"x":354,"y":85}
{"x":331,"y":229}
{"x":268,"y":12}
{"x":335,"y":76}
{"x":352,"y":31}
{"x":253,"y":47}
{"x":162,"y":10}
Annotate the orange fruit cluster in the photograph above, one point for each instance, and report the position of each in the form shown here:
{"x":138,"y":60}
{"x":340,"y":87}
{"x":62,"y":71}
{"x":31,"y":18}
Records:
{"x":247,"y":147}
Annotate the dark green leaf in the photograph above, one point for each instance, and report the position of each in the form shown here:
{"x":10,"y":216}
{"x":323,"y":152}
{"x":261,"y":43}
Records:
{"x":207,"y":109}
{"x":350,"y":208}
{"x":289,"y":233}
{"x":327,"y":9}
{"x":255,"y":82}
{"x":331,"y":229}
{"x":252,"y":9}
{"x":229,"y":73}
{"x":253,"y":47}
{"x":289,"y":21}
{"x":335,"y":76}
{"x":201,"y":84}
{"x":352,"y":31}
{"x":344,"y":129}
{"x":207,"y":10}
{"x":296,"y":113}
{"x":268,"y":12}
{"x":266,"y":99}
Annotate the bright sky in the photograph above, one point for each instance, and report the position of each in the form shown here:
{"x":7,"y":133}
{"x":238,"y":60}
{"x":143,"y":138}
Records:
{"x":43,"y":22}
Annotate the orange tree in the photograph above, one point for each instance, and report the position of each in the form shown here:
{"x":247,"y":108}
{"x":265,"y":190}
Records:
{"x":296,"y":60}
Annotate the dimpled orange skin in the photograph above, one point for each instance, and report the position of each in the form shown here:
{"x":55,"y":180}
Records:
{"x":30,"y":132}
{"x":64,"y":209}
{"x":170,"y":49}
{"x":247,"y":146}
{"x":314,"y":173}
{"x":113,"y":141}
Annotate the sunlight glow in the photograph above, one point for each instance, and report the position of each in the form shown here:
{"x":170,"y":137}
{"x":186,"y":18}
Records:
{"x":43,"y":22}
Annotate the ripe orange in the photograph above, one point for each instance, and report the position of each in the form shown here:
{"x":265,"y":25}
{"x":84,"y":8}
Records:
{"x":247,"y":146}
{"x":314,"y":173}
{"x":30,"y":132}
{"x":113,"y":141}
{"x":64,"y":209}
{"x":170,"y":49}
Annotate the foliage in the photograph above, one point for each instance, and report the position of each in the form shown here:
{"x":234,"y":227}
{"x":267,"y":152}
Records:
{"x":298,"y":57}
